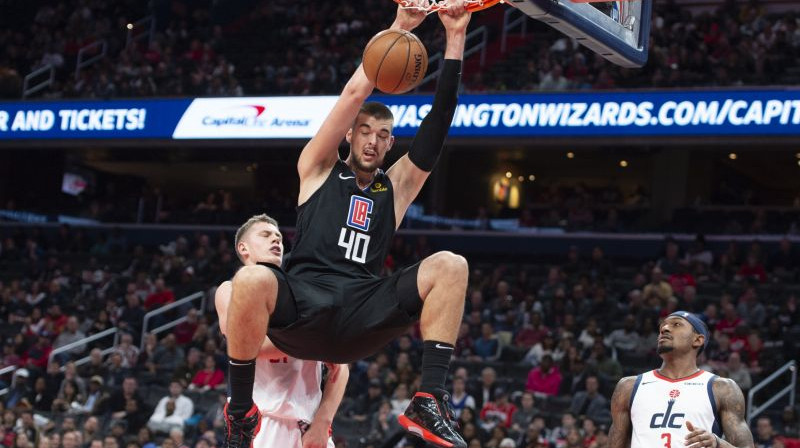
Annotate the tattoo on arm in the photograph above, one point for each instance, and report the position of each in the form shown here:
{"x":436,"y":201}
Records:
{"x":620,"y":432}
{"x":731,"y":405}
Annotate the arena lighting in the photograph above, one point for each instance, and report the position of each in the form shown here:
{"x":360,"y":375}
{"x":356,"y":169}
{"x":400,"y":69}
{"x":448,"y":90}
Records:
{"x":129,"y":26}
{"x":798,"y":163}
{"x":570,"y":155}
{"x":531,"y":178}
{"x":508,"y":174}
{"x":521,"y":178}
{"x":623,"y":163}
{"x":732,"y":156}
{"x":797,"y":155}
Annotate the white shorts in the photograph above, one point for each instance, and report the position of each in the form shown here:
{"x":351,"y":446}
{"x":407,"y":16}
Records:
{"x":280,"y":433}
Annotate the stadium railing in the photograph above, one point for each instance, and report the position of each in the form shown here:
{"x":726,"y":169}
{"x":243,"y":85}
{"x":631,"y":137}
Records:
{"x":147,"y":317}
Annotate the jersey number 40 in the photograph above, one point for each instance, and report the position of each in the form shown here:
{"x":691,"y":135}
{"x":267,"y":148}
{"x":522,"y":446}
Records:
{"x":355,"y":245}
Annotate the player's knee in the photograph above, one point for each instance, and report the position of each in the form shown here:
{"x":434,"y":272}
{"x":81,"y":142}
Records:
{"x":256,"y":277}
{"x":451,"y":265}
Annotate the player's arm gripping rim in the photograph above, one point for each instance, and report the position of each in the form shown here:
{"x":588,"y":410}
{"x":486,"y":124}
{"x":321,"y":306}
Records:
{"x":411,"y":171}
{"x":322,"y":151}
{"x":620,"y":433}
{"x":731,"y":405}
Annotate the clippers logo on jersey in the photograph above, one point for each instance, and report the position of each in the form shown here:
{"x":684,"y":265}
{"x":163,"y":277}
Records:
{"x":358,"y":215}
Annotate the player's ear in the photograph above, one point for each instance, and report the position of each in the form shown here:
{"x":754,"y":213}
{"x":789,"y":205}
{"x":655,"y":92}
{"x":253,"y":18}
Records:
{"x":349,"y":135}
{"x":391,"y":143}
{"x":699,"y":340}
{"x":242,"y":249}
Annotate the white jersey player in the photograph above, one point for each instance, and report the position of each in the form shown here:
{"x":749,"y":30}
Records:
{"x":679,"y":405}
{"x":295,"y":411}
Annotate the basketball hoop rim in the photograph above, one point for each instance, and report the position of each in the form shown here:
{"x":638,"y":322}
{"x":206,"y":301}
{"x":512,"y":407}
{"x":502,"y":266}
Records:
{"x":432,"y":6}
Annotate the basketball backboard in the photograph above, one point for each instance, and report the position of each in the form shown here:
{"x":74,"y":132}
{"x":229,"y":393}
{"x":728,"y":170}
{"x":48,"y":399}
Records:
{"x":617,"y":30}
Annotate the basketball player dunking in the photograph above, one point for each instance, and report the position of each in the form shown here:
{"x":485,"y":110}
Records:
{"x":328,"y":302}
{"x":679,"y":405}
{"x":295,"y":412}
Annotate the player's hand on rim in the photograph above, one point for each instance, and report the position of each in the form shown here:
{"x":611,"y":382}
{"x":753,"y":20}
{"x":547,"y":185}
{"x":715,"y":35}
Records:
{"x":408,"y":18}
{"x":699,"y":437}
{"x":455,"y":17}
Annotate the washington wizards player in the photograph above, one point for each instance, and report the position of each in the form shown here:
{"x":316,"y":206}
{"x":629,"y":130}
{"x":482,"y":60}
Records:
{"x":679,"y":405}
{"x":328,"y":302}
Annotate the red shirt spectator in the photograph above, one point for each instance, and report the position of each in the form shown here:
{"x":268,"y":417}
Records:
{"x":160,"y":297}
{"x":753,"y":270}
{"x":500,"y":410}
{"x":545,"y":379}
{"x":729,"y":321}
{"x":210,"y":376}
{"x":184,"y":331}
{"x":38,"y":354}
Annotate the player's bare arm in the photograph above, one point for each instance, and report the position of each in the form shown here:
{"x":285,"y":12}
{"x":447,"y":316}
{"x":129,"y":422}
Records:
{"x":322,"y":151}
{"x":335,"y":384}
{"x":730,"y":403}
{"x":406,"y":175}
{"x":619,"y":434}
{"x":222,"y":298}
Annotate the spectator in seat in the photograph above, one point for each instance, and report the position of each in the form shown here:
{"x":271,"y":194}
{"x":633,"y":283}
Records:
{"x":524,"y":414}
{"x":487,"y":347}
{"x":367,"y":404}
{"x":171,"y":411}
{"x":625,"y":339}
{"x":657,"y":288}
{"x":160,"y":296}
{"x":608,"y":367}
{"x":499,"y":411}
{"x":117,"y":405}
{"x":95,"y":365}
{"x":187,"y":371}
{"x":132,"y":314}
{"x":730,"y":320}
{"x":765,"y":436}
{"x":589,"y":403}
{"x":670,"y":262}
{"x":752,"y":270}
{"x":558,"y":436}
{"x":128,"y":351}
{"x":751,"y":308}
{"x":459,"y":398}
{"x":20,"y":394}
{"x":35,"y":358}
{"x":545,"y":379}
{"x":483,"y":392}
{"x":784,"y":261}
{"x":166,"y":358}
{"x":738,"y":372}
{"x":185,"y":330}
{"x":210,"y":377}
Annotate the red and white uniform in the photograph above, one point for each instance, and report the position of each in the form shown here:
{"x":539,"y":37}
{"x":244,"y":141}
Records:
{"x":661,"y":406}
{"x":286,"y":391}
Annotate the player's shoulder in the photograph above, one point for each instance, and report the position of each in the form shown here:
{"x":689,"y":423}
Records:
{"x":625,"y":385}
{"x":725,"y":386}
{"x":224,"y":288}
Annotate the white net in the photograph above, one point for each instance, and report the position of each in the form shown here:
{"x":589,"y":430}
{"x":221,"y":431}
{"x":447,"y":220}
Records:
{"x":429,"y":6}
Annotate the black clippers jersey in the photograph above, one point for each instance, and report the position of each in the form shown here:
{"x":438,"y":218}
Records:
{"x":342,"y":229}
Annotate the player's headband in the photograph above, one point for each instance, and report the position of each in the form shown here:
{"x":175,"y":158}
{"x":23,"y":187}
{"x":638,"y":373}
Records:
{"x":697,"y":324}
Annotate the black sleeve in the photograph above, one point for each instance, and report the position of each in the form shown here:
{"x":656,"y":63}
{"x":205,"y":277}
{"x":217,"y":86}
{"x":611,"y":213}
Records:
{"x":428,"y":142}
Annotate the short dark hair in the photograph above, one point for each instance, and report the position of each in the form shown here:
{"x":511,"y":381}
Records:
{"x":377,"y":110}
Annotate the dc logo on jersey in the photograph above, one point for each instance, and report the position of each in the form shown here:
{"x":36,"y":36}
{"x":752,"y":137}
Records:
{"x":667,"y":419}
{"x":358,"y":216}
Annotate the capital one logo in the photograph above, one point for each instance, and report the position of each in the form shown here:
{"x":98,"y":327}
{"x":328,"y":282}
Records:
{"x":667,"y":419}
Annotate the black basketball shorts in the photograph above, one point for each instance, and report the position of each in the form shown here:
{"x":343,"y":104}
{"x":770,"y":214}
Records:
{"x":333,"y":318}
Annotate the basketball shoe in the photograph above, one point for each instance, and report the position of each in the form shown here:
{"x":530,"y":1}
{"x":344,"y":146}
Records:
{"x":241,"y":431}
{"x":431,"y":419}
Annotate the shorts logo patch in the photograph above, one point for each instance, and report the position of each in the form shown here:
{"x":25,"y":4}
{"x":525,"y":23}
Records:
{"x":358,"y":216}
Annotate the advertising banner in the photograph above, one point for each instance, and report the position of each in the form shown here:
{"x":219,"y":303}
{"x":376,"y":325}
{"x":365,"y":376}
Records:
{"x":578,"y":114}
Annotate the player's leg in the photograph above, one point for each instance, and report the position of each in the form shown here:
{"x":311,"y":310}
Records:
{"x":442,"y":282}
{"x":442,"y":286}
{"x":253,"y":298}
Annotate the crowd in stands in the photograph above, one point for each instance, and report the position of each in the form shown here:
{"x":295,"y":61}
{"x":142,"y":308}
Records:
{"x":296,"y":48}
{"x":539,"y":351}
